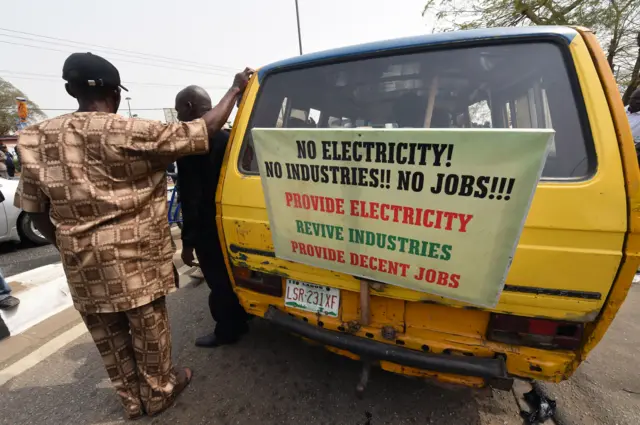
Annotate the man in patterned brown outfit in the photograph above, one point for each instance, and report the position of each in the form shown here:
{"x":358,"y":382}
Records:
{"x":95,"y":185}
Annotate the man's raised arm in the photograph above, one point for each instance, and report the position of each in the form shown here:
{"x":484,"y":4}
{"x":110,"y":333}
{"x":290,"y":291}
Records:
{"x":219,"y":114}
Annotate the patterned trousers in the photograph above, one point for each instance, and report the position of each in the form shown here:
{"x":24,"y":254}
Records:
{"x":135,"y":346}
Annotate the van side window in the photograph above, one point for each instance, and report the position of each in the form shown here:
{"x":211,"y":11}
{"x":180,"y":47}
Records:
{"x":523,"y":85}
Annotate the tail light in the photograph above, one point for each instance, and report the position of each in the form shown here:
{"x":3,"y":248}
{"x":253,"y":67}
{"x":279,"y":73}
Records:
{"x":256,"y":281}
{"x":540,"y":333}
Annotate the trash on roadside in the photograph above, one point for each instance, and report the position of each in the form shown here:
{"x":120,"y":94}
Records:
{"x":542,"y":408}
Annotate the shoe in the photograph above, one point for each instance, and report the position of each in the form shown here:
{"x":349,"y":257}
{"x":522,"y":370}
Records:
{"x":213,"y":341}
{"x":243,"y":328}
{"x":9,"y":303}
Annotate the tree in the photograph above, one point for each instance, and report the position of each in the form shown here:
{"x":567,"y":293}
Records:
{"x":9,"y":111}
{"x":634,"y":78}
{"x":615,"y":22}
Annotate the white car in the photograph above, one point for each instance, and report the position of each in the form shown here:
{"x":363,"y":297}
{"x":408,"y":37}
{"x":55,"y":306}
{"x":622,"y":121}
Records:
{"x":15,"y":224}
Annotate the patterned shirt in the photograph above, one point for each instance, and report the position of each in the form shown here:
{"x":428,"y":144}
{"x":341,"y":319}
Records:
{"x":102,"y":177}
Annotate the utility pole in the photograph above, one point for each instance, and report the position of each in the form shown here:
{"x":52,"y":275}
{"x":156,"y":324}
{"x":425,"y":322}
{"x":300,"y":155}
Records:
{"x":299,"y":34}
{"x":128,"y":99}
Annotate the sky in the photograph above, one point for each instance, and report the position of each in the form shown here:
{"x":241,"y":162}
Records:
{"x":218,"y":38}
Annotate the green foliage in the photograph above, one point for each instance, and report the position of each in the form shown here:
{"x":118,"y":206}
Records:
{"x":616,"y":23}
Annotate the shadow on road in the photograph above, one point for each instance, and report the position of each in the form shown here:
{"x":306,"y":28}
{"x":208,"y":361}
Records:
{"x":8,"y":247}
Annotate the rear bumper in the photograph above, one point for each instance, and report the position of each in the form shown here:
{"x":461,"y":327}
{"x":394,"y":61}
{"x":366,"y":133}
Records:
{"x":492,"y":370}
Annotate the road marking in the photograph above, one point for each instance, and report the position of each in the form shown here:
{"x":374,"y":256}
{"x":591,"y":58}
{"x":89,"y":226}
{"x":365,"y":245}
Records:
{"x":32,"y":359}
{"x":38,"y":303}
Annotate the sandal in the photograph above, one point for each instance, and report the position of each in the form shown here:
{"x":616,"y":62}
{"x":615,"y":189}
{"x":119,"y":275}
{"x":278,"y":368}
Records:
{"x":184,"y":377}
{"x":137,"y":415}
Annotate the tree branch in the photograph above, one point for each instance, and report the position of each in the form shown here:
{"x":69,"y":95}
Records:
{"x":529,"y":13}
{"x":560,"y":18}
{"x":572,"y":6}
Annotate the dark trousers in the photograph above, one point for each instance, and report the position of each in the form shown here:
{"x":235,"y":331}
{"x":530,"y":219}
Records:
{"x":230,"y":317}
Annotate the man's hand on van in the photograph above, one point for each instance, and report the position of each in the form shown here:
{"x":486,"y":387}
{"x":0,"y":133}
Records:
{"x":187,"y":256}
{"x":242,"y":79}
{"x":219,"y":114}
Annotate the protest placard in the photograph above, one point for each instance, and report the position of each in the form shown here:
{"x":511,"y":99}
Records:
{"x":437,"y":211}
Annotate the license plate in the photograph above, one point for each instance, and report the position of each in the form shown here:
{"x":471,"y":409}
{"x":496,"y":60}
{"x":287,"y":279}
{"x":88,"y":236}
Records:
{"x":314,"y":298}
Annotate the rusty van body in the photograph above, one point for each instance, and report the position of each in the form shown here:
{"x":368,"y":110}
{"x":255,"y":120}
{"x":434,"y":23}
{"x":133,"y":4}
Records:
{"x":576,"y":256}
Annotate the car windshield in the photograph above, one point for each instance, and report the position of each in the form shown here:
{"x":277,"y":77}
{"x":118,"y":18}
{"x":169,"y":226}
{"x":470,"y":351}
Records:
{"x":524,"y":85}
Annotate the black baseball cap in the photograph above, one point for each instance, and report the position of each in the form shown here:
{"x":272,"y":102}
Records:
{"x":92,"y":70}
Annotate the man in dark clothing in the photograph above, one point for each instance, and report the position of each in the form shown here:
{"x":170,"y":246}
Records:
{"x":198,"y":176}
{"x":11,"y":166}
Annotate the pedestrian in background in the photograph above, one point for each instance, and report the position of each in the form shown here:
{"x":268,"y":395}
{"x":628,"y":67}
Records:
{"x":7,"y":301}
{"x":4,"y":173}
{"x":171,"y":174}
{"x":8,"y":161}
{"x":94,"y":183}
{"x":633,"y":114}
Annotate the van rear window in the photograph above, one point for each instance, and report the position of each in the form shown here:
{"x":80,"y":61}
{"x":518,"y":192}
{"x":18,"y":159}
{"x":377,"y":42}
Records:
{"x":524,"y":85}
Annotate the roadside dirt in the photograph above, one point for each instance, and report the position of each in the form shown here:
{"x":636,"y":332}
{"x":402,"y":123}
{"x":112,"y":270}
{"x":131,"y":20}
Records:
{"x":606,"y":387}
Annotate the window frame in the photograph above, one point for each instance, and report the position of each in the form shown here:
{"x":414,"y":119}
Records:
{"x":560,"y":41}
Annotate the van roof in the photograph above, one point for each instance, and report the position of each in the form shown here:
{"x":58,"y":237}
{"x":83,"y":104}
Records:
{"x":418,"y":41}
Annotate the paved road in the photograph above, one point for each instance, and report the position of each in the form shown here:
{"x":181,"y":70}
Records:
{"x":274,"y":378}
{"x":17,"y":258}
{"x":268,"y":378}
{"x":606,"y":387}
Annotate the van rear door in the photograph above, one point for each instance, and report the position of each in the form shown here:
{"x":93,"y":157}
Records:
{"x":571,"y":247}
